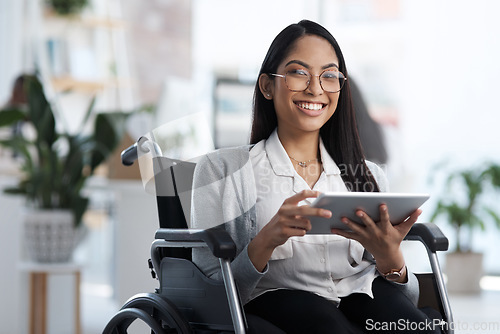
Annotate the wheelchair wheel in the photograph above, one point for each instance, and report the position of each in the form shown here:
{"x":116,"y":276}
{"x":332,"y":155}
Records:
{"x":158,"y":313}
{"x":124,"y":318}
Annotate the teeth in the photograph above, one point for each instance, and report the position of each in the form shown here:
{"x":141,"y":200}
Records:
{"x":310,"y":106}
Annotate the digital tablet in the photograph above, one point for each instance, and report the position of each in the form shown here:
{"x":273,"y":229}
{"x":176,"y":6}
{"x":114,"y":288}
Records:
{"x":400,"y":206}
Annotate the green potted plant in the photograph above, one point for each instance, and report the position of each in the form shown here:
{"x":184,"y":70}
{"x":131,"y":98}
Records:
{"x":55,"y":166}
{"x":67,"y":7}
{"x":465,"y":205}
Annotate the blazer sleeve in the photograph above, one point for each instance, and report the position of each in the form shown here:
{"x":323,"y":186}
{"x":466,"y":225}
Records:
{"x":216,"y":204}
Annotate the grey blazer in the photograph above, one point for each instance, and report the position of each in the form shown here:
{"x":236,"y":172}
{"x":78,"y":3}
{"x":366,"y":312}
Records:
{"x":224,"y":196}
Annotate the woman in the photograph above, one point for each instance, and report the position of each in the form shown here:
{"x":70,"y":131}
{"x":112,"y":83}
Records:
{"x":304,"y":142}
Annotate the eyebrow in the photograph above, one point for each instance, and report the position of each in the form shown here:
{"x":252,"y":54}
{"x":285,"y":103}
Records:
{"x":324,"y":67}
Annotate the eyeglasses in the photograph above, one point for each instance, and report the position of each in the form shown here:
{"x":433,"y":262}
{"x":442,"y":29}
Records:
{"x":298,"y":80}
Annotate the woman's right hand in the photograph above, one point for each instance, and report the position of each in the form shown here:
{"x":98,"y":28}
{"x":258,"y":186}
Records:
{"x":289,"y":221}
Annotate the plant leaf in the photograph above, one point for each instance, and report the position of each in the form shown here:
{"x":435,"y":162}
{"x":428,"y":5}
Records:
{"x":109,"y":129}
{"x":15,"y":191}
{"x":89,"y":112}
{"x":493,"y":174}
{"x":494,"y":215}
{"x":11,"y":115}
{"x":79,"y":205}
{"x":40,"y":112}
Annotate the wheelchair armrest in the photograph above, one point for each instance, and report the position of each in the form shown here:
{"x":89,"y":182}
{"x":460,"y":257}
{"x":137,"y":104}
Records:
{"x":218,"y":240}
{"x":430,"y":234}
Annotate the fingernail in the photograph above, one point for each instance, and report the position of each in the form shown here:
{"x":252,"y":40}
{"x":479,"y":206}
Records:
{"x":344,"y":220}
{"x":326,"y":213}
{"x":359,"y":214}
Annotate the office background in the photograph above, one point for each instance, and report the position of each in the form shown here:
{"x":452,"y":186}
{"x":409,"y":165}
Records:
{"x":427,"y":69}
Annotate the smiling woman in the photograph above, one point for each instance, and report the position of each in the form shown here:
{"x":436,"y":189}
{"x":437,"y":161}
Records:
{"x":294,"y":49}
{"x":304,"y":142}
{"x":301,"y":102}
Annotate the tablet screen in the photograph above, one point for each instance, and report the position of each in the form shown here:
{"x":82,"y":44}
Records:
{"x":400,"y":206}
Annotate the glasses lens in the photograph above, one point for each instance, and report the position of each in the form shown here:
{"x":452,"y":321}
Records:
{"x":297,"y":80}
{"x":332,"y":81}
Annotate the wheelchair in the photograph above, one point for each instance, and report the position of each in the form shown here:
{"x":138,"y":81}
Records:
{"x":187,"y":301}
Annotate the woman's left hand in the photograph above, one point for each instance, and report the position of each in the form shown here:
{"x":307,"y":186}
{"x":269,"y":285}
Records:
{"x":381,"y":239}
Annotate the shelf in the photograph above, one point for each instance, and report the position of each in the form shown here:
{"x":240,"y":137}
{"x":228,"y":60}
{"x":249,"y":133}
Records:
{"x":84,"y":54}
{"x":67,"y":83}
{"x":90,"y":21}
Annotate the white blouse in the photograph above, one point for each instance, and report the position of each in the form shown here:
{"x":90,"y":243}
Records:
{"x":328,"y":265}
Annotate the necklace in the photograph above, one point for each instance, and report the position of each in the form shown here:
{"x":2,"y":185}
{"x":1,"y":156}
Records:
{"x":303,"y":164}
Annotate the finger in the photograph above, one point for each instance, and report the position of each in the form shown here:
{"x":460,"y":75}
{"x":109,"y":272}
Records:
{"x":300,"y":223}
{"x":299,"y":197}
{"x":405,"y":226}
{"x":353,"y":226}
{"x":385,"y":220}
{"x":293,"y":222}
{"x":303,"y":210}
{"x":306,"y":210}
{"x":304,"y":227}
{"x":365,"y":219}
{"x":298,"y":228}
{"x":295,"y":232}
{"x":345,"y":233}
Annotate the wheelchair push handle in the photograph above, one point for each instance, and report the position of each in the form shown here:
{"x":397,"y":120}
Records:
{"x":144,"y":145}
{"x":129,"y":155}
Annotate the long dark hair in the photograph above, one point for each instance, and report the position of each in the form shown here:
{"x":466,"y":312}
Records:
{"x":339,"y":133}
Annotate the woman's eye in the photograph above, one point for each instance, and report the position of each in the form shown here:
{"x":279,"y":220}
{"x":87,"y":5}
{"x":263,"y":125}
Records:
{"x":329,"y":75}
{"x":299,"y":72}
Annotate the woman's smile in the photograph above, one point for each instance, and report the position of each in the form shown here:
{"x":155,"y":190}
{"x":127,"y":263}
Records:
{"x":311,"y":108}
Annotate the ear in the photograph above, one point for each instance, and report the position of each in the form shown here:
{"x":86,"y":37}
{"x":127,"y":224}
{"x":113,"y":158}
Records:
{"x":266,"y":86}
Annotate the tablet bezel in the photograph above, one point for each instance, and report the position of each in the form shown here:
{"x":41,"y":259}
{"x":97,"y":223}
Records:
{"x":345,"y":204}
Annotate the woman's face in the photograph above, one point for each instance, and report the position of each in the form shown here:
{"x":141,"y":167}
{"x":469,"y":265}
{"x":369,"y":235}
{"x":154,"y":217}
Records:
{"x":308,"y":110}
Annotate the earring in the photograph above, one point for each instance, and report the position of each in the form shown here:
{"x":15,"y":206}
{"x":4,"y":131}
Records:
{"x":268,"y":95}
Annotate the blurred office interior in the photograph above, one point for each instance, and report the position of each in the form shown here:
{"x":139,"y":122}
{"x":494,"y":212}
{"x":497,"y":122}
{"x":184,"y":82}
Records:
{"x":428,"y":71}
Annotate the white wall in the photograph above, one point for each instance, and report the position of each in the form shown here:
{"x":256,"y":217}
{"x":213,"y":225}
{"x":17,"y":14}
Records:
{"x":451,"y":81}
{"x":450,"y":101}
{"x":236,"y":34}
{"x":13,"y":285}
{"x":136,"y":221}
{"x":11,"y":40}
{"x":434,"y":64}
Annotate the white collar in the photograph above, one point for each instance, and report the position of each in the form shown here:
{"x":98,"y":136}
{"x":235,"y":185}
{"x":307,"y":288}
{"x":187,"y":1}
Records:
{"x":281,"y":163}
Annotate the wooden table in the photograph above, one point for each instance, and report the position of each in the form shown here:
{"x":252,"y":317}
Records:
{"x":38,"y":277}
